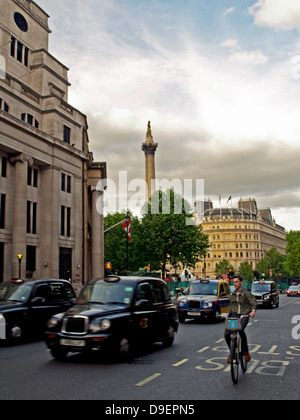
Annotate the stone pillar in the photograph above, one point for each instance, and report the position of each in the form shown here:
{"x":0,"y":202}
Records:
{"x":149,"y":147}
{"x":20,"y":213}
{"x":97,"y":247}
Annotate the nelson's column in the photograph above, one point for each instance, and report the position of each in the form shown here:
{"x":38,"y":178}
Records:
{"x":149,"y":147}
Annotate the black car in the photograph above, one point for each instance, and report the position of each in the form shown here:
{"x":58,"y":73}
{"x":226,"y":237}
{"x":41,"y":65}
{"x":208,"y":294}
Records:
{"x":265,"y":293}
{"x":26,"y":306}
{"x":115,"y":314}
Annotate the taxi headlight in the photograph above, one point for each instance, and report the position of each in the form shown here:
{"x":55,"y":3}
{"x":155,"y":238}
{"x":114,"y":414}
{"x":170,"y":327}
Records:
{"x":98,"y":325}
{"x":52,"y":323}
{"x":182,"y":302}
{"x":104,"y":324}
{"x":207,"y":305}
{"x":267,"y":297}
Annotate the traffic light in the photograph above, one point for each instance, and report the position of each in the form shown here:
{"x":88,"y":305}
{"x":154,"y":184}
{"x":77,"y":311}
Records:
{"x":231,"y":274}
{"x":108,"y":268}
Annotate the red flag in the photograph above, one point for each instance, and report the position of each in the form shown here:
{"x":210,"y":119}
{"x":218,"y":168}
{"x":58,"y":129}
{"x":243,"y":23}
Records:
{"x":125,"y":224}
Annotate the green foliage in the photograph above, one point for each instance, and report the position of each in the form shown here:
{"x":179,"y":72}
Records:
{"x":115,"y":240}
{"x":293,"y":253}
{"x":169,"y":234}
{"x":223,"y":267}
{"x":246,"y":271}
{"x":273,"y":261}
{"x":165,"y":235}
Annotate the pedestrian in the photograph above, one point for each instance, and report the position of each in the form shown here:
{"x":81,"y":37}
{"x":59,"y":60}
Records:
{"x":242,"y":302}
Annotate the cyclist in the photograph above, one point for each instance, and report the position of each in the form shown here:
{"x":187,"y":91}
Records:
{"x":242,"y":302}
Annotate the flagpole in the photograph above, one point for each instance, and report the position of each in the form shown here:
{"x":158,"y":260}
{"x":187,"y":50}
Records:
{"x":127,"y":218}
{"x":122,"y":221}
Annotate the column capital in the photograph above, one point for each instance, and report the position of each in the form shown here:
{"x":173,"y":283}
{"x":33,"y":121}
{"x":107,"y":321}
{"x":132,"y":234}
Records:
{"x":21,"y":157}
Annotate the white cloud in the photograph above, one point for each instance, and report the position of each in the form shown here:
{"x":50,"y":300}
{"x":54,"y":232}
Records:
{"x":243,"y":57}
{"x":231,"y":43}
{"x":280,"y":14}
{"x":232,"y":119}
{"x":229,"y":11}
{"x":246,"y":58}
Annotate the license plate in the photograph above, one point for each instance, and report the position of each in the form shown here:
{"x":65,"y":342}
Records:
{"x":72,"y":343}
{"x":194,"y":313}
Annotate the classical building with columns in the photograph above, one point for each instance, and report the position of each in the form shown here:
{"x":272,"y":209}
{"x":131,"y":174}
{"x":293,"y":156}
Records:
{"x":238,"y":234}
{"x":48,"y":176}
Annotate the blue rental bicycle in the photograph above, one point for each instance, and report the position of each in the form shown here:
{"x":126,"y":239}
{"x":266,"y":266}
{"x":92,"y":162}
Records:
{"x":234,"y":325}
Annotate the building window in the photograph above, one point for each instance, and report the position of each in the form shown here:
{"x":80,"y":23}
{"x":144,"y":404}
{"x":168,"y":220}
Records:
{"x":29,"y":119}
{"x":19,"y":51}
{"x":67,"y":134}
{"x":12,"y":46}
{"x":3,"y":163}
{"x":1,"y":261}
{"x":3,"y":106}
{"x":65,"y":221}
{"x":30,"y":260}
{"x":62,"y":220}
{"x":2,"y":211}
{"x":20,"y":21}
{"x":32,"y":177}
{"x":31,"y":217}
{"x":66,"y":183}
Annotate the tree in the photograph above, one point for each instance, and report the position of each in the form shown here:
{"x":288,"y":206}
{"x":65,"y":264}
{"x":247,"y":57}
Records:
{"x":115,"y":243}
{"x":272,"y":262}
{"x":169,"y":235}
{"x":223,"y":268}
{"x":293,"y":253}
{"x":246,"y":271}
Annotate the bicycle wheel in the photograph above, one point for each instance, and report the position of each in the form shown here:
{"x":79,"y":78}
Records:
{"x":244,"y":364}
{"x":234,"y":361}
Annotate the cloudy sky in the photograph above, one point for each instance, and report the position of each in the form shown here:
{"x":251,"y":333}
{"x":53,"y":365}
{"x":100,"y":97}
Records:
{"x":218,"y":79}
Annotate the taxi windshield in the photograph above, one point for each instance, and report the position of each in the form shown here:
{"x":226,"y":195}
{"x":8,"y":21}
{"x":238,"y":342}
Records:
{"x":203,"y":289}
{"x":260,"y":287}
{"x":103,"y":293}
{"x":14,"y":292}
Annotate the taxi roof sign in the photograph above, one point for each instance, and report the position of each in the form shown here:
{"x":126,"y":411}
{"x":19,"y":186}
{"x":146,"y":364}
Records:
{"x":112,"y":279}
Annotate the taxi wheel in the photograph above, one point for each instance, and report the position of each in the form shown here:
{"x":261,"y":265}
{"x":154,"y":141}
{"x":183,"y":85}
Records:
{"x":59,"y":354}
{"x":169,"y":339}
{"x":181,"y":318}
{"x":16,"y":334}
{"x":123,"y":348}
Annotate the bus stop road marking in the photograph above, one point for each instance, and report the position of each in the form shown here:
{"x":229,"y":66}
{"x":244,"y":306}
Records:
{"x":147,"y":380}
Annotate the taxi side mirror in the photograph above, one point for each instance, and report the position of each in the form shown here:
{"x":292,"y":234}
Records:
{"x":142,"y":303}
{"x":37,"y":300}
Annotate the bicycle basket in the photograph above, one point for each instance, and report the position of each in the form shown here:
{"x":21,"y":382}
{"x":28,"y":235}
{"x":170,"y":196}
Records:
{"x":233,"y":324}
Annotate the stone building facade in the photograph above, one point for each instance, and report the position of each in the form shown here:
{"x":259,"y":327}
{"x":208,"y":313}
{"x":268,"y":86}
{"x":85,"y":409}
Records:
{"x":48,"y":176}
{"x":241,"y":234}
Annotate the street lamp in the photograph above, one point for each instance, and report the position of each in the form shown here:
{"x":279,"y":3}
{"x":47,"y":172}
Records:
{"x":19,"y":256}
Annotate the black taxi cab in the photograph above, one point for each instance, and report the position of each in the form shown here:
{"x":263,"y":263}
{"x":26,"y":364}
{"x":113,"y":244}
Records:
{"x":207,"y":298}
{"x":266,"y":293}
{"x":26,"y":306}
{"x":115,"y":314}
